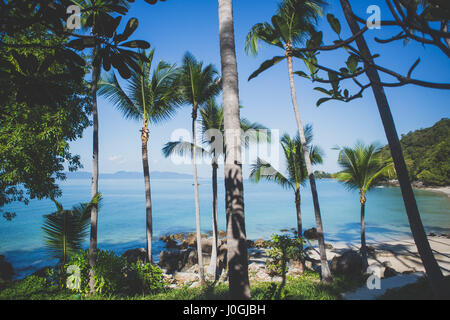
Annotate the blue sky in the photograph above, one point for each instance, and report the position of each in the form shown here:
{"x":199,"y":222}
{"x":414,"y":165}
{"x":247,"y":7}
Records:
{"x":176,"y":26}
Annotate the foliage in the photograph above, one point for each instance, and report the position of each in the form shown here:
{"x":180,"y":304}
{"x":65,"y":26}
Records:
{"x":115,"y":276}
{"x":322,"y":175}
{"x":427,"y":152}
{"x":65,"y":230}
{"x":363,"y":167}
{"x":290,"y":26}
{"x":150,"y":96}
{"x":36,"y":125}
{"x":197,"y":83}
{"x":296,"y":174}
{"x":282,"y":249}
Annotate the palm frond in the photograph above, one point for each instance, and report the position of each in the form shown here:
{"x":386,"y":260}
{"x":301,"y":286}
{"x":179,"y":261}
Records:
{"x":262,"y":170}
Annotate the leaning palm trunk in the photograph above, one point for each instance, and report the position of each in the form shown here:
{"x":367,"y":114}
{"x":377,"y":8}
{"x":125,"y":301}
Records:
{"x":197,"y":204}
{"x":237,"y":259}
{"x":326,"y":274}
{"x":94,"y":187}
{"x":213,"y":264}
{"x":148,"y":196}
{"x":363,"y":233}
{"x":433,"y":271}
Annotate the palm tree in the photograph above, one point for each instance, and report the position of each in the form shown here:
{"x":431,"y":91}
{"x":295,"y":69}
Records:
{"x":150,"y":98}
{"x":363,"y":169}
{"x":198,"y":84}
{"x":92,"y":11}
{"x":212,"y":130}
{"x":293,"y":23}
{"x":296,"y":174}
{"x":65,"y":230}
{"x":239,"y":287}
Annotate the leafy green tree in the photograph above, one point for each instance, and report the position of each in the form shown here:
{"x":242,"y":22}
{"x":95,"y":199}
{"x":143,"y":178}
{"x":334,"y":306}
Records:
{"x":151,"y":98}
{"x":36,"y":125}
{"x":294,"y":22}
{"x":198,"y":84}
{"x":296,"y":174}
{"x":212,"y":131}
{"x":66,"y":230}
{"x":363,"y":169}
{"x":426,"y":153}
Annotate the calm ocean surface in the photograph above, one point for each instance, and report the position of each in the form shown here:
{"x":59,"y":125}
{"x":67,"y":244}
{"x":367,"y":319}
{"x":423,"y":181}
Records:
{"x":268,"y":208}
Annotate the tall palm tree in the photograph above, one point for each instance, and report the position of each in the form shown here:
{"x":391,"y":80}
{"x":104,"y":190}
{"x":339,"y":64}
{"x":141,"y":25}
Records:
{"x":363,"y":169}
{"x":430,"y":264}
{"x":212,"y":130}
{"x":151,"y":97}
{"x":294,"y":22}
{"x":92,"y":11}
{"x":239,"y":287}
{"x":198,"y":84}
{"x":65,"y":230}
{"x":296,"y":174}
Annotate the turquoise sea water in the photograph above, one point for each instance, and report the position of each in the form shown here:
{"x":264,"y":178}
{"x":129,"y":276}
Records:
{"x":268,"y":209}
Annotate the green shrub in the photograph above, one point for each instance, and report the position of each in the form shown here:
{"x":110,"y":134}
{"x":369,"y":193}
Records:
{"x":282,"y":249}
{"x":144,"y":278}
{"x":25,"y":289}
{"x":113,"y":275}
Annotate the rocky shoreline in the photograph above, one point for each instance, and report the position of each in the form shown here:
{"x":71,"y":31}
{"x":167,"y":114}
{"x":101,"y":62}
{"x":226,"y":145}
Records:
{"x":180,"y":268}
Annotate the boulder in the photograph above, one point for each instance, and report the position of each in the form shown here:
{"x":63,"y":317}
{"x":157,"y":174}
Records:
{"x":133,"y":255}
{"x":389,"y":272}
{"x":174,"y":260}
{"x":185,"y":277}
{"x":260,"y":243}
{"x":6,"y":269}
{"x":349,"y":263}
{"x":311,"y":234}
{"x":222,"y":234}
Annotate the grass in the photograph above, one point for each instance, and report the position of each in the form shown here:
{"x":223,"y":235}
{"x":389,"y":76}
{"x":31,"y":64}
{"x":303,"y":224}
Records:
{"x":304,"y":287}
{"x":420,"y":290}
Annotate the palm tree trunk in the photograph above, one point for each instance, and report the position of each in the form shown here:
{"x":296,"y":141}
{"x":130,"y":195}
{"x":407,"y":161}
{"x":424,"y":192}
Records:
{"x":363,"y":235}
{"x":94,"y":186}
{"x":433,"y":271}
{"x":299,"y":224}
{"x":326,"y":274}
{"x":148,"y":196}
{"x":213,"y":264}
{"x":299,"y":213}
{"x":197,"y":204}
{"x":234,"y":189}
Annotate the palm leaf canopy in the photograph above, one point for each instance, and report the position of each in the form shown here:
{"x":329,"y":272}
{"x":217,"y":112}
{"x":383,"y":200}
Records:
{"x":212,"y":128}
{"x":152,"y":96}
{"x":362,"y":166}
{"x":292,"y":24}
{"x":296,"y":173}
{"x":66,"y":230}
{"x":198,"y":84}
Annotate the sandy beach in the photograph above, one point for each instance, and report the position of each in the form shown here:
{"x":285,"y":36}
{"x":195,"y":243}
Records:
{"x":400,"y":255}
{"x":444,"y":190}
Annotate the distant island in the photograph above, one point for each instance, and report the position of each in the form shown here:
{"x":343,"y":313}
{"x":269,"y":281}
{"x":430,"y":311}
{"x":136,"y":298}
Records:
{"x":128,"y":175}
{"x":322,"y":175}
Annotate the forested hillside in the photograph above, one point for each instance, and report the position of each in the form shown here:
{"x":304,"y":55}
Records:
{"x":427,"y":153}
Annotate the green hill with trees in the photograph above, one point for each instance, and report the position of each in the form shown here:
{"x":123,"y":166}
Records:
{"x":427,"y":153}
